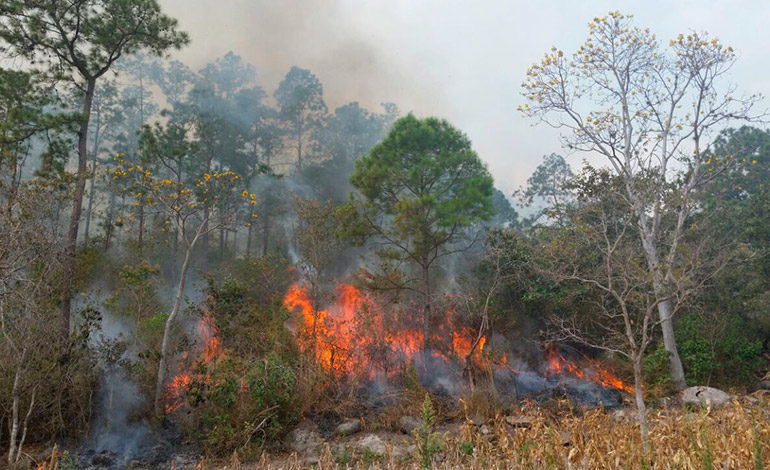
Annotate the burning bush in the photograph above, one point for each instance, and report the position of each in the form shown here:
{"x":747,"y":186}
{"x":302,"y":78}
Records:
{"x":237,"y":384}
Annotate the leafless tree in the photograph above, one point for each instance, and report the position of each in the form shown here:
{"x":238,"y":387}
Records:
{"x":649,"y":112}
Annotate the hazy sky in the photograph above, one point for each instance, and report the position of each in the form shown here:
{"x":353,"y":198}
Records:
{"x":461,"y":60}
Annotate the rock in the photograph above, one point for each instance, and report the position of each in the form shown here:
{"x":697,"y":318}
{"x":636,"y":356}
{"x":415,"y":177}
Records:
{"x":485,"y":430}
{"x":408,"y":424}
{"x":478,"y":420}
{"x":701,"y":396}
{"x":304,"y":439}
{"x":402,"y":452}
{"x":625,"y":415}
{"x":372,"y":443}
{"x":348,"y":427}
{"x":518,"y":421}
{"x":763,"y":385}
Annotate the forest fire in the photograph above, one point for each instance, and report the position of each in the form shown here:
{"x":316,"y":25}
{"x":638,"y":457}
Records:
{"x":179,"y":384}
{"x":558,"y":364}
{"x":351,"y":337}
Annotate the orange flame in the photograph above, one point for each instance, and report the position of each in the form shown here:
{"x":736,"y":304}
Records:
{"x":350,"y":337}
{"x":177,"y":387}
{"x":558,"y":364}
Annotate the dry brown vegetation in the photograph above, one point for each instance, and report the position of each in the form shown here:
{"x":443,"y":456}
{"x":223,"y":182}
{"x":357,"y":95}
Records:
{"x":736,"y":436}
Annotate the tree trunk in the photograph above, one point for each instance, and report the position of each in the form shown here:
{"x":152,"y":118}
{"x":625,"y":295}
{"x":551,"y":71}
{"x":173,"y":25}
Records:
{"x":94,"y":151}
{"x":665,"y":309}
{"x":248,"y":240}
{"x":669,"y":342}
{"x":164,"y":350}
{"x":77,"y":208}
{"x":426,"y":306}
{"x":89,"y":211}
{"x":14,"y":415}
{"x":25,"y":426}
{"x":641,"y":409}
{"x":265,"y":233}
{"x":109,"y":226}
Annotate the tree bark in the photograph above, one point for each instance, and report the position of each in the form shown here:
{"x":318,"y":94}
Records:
{"x":77,"y":208}
{"x":94,"y":152}
{"x":641,"y":409}
{"x":248,"y":240}
{"x":426,"y":305}
{"x":14,"y":415}
{"x":665,"y":308}
{"x":265,"y":233}
{"x":159,"y":410}
{"x":669,"y":342}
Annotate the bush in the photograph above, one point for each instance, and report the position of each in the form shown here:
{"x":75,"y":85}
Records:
{"x":237,"y":405}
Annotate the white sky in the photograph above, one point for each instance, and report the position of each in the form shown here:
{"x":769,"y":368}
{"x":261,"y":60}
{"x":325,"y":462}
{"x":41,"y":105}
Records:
{"x":460,"y":60}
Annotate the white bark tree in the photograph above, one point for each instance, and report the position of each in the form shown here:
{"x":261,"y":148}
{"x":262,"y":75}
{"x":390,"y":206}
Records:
{"x":210,"y":204}
{"x":597,"y":247}
{"x":649,"y":111}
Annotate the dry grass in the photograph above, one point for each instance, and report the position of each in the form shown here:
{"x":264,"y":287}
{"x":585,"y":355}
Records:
{"x":736,"y":436}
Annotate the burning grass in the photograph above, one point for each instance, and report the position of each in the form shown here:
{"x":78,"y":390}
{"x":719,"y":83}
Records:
{"x":736,"y":436}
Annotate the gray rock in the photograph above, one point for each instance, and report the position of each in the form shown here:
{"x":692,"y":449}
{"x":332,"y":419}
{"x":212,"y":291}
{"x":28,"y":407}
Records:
{"x":702,"y":396}
{"x":304,"y":439}
{"x":763,"y":385}
{"x":408,"y":424}
{"x":478,"y":420}
{"x":518,"y":421}
{"x":373,"y":443}
{"x":348,"y":427}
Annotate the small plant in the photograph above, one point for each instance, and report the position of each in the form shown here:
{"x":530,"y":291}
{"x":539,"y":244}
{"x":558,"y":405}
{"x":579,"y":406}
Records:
{"x":466,"y":447}
{"x":428,"y":442}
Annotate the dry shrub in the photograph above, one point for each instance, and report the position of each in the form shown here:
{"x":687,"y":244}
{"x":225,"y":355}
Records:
{"x":736,"y":436}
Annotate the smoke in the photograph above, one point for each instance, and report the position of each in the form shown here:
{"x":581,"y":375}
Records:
{"x":117,"y":428}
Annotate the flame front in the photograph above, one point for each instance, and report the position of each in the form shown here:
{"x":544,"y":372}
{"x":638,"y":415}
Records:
{"x":558,"y":364}
{"x":350,"y":337}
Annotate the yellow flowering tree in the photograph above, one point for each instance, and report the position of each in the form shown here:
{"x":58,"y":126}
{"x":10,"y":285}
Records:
{"x":649,"y":110}
{"x":214,"y":201}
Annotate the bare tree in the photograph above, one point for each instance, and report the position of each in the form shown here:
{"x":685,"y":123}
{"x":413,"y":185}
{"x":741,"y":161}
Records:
{"x":28,"y":246}
{"x":649,"y":112}
{"x":597,"y":249}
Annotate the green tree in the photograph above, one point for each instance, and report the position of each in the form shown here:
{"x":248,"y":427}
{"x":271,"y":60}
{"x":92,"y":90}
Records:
{"x":301,"y":104}
{"x":423,"y":187}
{"x":649,"y":112}
{"x":547,"y":185}
{"x":80,"y":41}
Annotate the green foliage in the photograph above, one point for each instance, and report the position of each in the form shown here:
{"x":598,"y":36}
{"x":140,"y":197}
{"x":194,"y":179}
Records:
{"x":466,"y":447}
{"x":250,"y":393}
{"x":428,"y":443}
{"x":237,"y":405}
{"x":88,"y":38}
{"x":723,"y":351}
{"x":656,"y":372}
{"x":427,"y":179}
